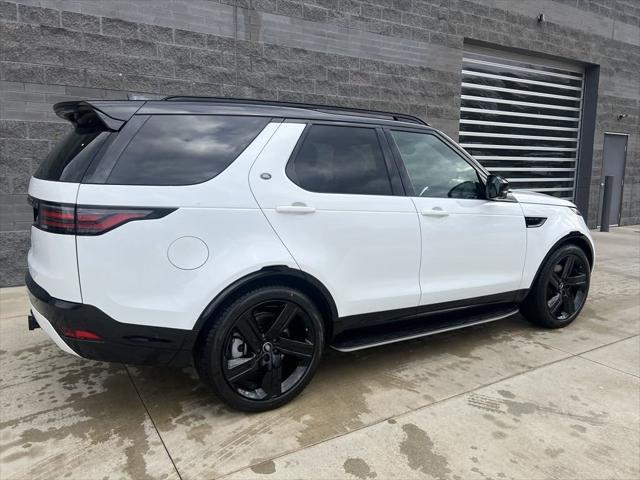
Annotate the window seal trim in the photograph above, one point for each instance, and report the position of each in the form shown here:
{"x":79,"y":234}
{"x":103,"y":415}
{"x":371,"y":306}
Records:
{"x":395,"y":177}
{"x":289,"y":171}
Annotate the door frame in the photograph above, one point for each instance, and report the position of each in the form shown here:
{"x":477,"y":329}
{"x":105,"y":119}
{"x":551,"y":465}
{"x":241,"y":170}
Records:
{"x":624,"y":168}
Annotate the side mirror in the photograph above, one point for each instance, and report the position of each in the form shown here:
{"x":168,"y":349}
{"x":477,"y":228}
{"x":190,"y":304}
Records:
{"x":496,"y":187}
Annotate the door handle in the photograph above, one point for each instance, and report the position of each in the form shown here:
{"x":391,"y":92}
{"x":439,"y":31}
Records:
{"x":434,"y":212}
{"x":295,"y":208}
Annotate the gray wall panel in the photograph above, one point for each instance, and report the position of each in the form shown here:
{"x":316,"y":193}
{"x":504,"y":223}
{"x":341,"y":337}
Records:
{"x":395,"y":55}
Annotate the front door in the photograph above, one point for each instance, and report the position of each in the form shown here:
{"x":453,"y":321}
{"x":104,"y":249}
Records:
{"x":333,"y":206}
{"x":472,"y":248}
{"x":614,"y":155}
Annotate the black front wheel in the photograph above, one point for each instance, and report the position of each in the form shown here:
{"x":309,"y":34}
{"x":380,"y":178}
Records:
{"x":263,"y":349}
{"x":560,"y":291}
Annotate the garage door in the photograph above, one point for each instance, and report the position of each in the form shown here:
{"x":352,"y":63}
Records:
{"x":520,"y":118}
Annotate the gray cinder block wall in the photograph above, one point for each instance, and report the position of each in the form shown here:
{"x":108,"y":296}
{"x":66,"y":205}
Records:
{"x":399,"y":55}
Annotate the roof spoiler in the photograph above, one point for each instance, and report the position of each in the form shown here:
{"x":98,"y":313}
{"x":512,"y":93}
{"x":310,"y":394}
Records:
{"x":88,"y":115}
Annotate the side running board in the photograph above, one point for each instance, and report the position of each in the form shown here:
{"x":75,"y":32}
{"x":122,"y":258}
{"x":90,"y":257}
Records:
{"x":429,"y":325}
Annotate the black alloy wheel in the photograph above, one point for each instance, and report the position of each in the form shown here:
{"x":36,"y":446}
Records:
{"x":560,"y":289}
{"x":263,"y":349}
{"x":268,"y":350}
{"x":567,"y":286}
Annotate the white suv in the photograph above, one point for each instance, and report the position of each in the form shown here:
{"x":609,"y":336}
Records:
{"x":246,"y":236}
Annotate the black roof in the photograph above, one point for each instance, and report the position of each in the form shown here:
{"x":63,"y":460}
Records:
{"x":332,"y":109}
{"x":118,"y":111}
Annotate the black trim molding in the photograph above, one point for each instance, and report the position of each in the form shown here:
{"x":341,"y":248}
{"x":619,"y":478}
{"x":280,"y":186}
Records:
{"x":424,"y":312}
{"x":121,"y":342}
{"x":535,"y":222}
{"x":587,"y":136}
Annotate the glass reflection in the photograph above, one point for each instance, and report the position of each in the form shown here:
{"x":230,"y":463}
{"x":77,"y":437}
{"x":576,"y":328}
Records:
{"x":184,"y":149}
{"x":434,"y":169}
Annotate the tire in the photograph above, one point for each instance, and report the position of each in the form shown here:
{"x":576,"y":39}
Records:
{"x":560,"y":289}
{"x":263,"y":349}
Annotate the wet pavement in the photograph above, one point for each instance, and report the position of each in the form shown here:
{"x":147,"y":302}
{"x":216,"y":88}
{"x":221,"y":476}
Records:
{"x":504,"y":400}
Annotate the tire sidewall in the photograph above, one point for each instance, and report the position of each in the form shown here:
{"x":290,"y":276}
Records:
{"x":222,"y":328}
{"x":540,"y":288}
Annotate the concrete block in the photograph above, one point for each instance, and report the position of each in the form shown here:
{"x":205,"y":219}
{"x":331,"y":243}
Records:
{"x":80,"y":22}
{"x":39,"y":16}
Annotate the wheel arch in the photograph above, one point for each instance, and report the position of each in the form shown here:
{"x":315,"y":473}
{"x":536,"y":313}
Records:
{"x":278,"y":274}
{"x":576,"y":238}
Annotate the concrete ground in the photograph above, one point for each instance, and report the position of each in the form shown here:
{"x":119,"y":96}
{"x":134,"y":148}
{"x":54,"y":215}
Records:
{"x":505,"y":400}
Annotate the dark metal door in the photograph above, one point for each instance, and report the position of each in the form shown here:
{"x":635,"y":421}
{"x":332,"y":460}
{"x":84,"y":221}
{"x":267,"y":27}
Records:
{"x":614,"y":156}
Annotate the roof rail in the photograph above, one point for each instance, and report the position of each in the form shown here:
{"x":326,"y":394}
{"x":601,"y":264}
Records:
{"x":309,"y":106}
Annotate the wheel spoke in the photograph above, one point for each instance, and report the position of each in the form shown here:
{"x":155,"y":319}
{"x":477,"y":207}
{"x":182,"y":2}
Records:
{"x":568,"y":303}
{"x":554,"y":280}
{"x":295,"y":347}
{"x":568,"y":266}
{"x":249,"y":332}
{"x":240,"y":370}
{"x":267,"y":362}
{"x":554,"y":304}
{"x":272,"y":381}
{"x":286,"y":315}
{"x":576,"y":280}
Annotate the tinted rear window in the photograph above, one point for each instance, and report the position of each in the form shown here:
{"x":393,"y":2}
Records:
{"x":339,"y":159}
{"x":71,"y":157}
{"x":184,"y":149}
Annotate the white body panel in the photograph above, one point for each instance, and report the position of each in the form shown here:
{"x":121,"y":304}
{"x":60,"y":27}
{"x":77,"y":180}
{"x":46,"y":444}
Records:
{"x":560,"y":222}
{"x":52,"y":257}
{"x":470,"y":248}
{"x":525,"y":196}
{"x":60,"y":192}
{"x":127,"y":272}
{"x":364,"y":248}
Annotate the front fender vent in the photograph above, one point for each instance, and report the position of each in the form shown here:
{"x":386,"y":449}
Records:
{"x":535,"y":222}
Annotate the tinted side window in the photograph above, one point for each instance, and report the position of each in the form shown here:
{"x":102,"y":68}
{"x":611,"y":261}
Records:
{"x":71,"y":157}
{"x":435,"y":170}
{"x":335,"y":159}
{"x":184,"y":149}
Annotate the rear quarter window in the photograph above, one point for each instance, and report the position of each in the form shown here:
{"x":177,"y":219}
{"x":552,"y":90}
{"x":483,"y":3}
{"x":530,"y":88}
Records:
{"x":184,"y":149}
{"x":71,"y":157}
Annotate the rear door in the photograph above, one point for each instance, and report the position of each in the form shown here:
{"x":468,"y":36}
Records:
{"x":471,"y":247}
{"x":327,"y":192}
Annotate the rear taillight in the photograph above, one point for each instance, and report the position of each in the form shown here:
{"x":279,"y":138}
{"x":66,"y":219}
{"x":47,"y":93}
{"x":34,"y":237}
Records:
{"x":87,"y":220}
{"x":56,"y":218}
{"x":98,"y":220}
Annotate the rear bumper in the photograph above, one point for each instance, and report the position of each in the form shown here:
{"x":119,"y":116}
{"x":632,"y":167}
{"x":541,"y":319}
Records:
{"x":119,"y":342}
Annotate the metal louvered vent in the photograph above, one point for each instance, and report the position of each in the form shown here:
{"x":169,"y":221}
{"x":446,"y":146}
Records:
{"x":521,"y":121}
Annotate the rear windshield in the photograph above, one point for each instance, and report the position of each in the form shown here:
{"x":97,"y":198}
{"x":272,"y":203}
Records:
{"x":71,"y":157}
{"x":184,"y":149}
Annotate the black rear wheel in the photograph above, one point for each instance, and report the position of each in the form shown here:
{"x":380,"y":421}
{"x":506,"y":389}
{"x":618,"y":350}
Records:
{"x":263,"y":349}
{"x":560,"y":291}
